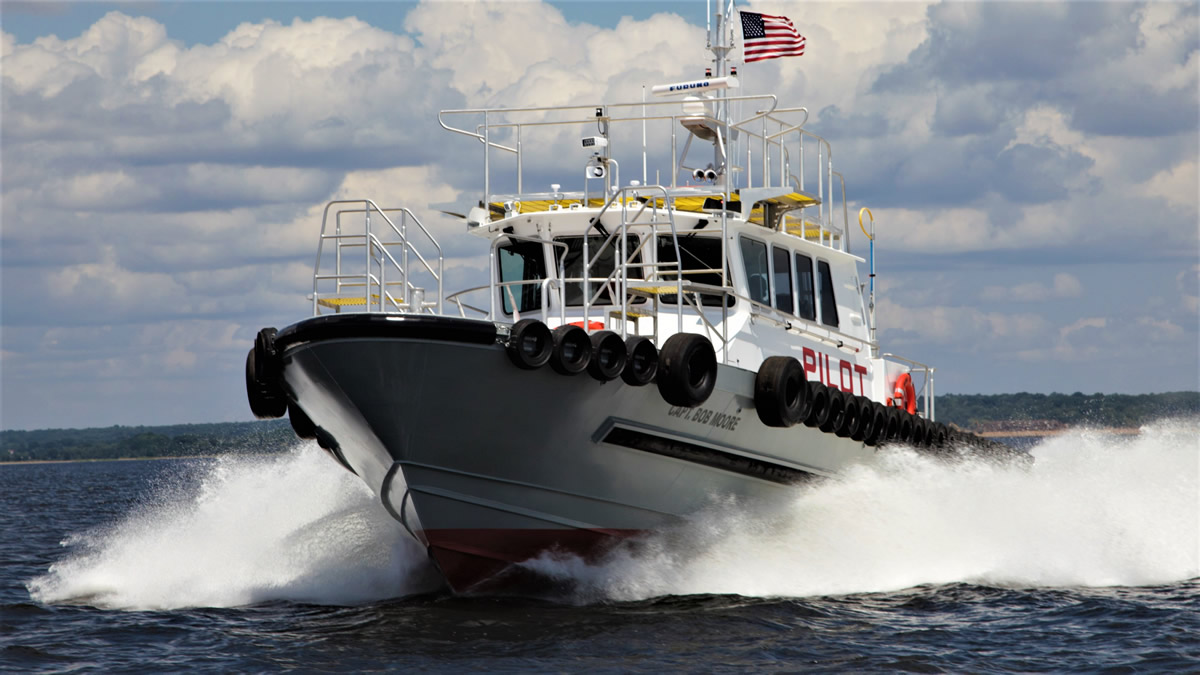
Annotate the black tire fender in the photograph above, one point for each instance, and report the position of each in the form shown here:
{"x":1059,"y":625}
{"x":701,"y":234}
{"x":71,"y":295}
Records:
{"x":904,"y":433}
{"x":930,"y":430}
{"x":891,"y":425}
{"x":892,"y":428}
{"x":837,"y":408}
{"x":608,"y":356}
{"x":780,"y":392}
{"x":941,"y":435}
{"x":687,"y":370}
{"x":266,"y":401}
{"x":879,"y":424}
{"x":572,"y":350}
{"x":529,"y":344}
{"x":266,"y":356}
{"x":917,"y":438}
{"x":851,"y":417}
{"x":866,"y":419}
{"x":818,"y":412}
{"x":641,"y":361}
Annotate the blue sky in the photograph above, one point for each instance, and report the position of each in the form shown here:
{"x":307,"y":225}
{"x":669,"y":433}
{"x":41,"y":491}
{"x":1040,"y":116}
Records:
{"x":195,"y":23}
{"x":1032,"y":168}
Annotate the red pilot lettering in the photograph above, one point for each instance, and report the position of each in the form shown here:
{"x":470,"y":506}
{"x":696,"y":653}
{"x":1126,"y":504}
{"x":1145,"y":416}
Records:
{"x":810,"y":361}
{"x":817,"y":366}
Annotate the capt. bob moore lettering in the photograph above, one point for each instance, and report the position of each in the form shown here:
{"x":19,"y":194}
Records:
{"x":705,"y":416}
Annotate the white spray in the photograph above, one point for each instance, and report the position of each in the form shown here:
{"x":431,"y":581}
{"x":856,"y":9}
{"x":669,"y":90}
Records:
{"x":1094,"y":510}
{"x":244,"y":530}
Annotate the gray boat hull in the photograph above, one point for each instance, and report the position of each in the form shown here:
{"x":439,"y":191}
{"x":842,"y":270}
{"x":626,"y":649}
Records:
{"x":489,"y":465}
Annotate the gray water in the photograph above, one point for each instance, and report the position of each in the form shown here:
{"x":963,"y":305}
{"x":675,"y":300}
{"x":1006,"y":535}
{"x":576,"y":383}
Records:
{"x":1087,"y":561}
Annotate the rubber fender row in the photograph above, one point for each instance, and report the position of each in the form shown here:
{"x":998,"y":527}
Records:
{"x":783,"y":397}
{"x":685,"y":370}
{"x":267,"y":397}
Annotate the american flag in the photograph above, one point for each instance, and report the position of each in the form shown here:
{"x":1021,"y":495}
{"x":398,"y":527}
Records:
{"x":769,"y":37}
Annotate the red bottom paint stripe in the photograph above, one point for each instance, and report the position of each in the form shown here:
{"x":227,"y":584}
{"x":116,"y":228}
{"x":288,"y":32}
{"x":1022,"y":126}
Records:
{"x":479,"y":559}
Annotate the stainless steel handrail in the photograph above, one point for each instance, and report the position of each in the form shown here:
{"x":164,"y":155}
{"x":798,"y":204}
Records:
{"x":377,"y":253}
{"x":845,"y":213}
{"x":605,"y":108}
{"x":624,"y":230}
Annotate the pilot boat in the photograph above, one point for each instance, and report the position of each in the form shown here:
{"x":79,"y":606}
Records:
{"x":642,"y":346}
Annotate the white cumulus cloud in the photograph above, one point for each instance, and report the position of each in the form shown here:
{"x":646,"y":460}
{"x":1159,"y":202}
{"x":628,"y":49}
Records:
{"x":150,"y":184}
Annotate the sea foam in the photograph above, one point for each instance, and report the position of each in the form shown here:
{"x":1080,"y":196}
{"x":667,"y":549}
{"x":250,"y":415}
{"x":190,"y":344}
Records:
{"x":1093,"y":510}
{"x":241,"y":530}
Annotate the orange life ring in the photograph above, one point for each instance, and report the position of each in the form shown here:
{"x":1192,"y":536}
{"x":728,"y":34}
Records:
{"x":904,"y":395}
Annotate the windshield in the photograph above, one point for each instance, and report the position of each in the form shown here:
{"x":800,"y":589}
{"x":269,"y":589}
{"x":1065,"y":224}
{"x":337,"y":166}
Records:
{"x":604,"y":260}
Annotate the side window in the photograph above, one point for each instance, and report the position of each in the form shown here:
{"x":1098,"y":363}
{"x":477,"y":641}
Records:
{"x":701,"y":264}
{"x":521,"y":261}
{"x":806,"y":306}
{"x":829,"y":315}
{"x":782,"y":270}
{"x":754,"y":259}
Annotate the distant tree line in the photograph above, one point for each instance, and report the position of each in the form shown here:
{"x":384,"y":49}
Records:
{"x":1078,"y":409}
{"x":189,"y":440}
{"x":180,"y":440}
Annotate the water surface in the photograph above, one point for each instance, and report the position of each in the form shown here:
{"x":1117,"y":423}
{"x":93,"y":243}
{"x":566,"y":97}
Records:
{"x":1087,"y":561}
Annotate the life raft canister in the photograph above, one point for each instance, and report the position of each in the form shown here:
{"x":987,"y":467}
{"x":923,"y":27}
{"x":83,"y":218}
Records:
{"x":904,"y":395}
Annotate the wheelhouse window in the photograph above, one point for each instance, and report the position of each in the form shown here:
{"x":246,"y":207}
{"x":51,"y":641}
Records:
{"x":604,"y":262}
{"x":754,"y":259}
{"x":829,"y":314}
{"x":522,"y":266}
{"x":701,"y":264}
{"x":781,"y":270}
{"x":806,"y":306}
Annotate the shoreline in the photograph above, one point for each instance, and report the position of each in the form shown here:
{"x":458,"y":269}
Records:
{"x":104,"y":459}
{"x":1116,"y":431}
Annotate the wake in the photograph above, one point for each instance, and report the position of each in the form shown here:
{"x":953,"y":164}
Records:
{"x":1093,"y":510}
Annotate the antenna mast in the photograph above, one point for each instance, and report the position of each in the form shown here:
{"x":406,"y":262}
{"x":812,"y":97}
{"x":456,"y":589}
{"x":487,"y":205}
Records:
{"x":718,"y":42}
